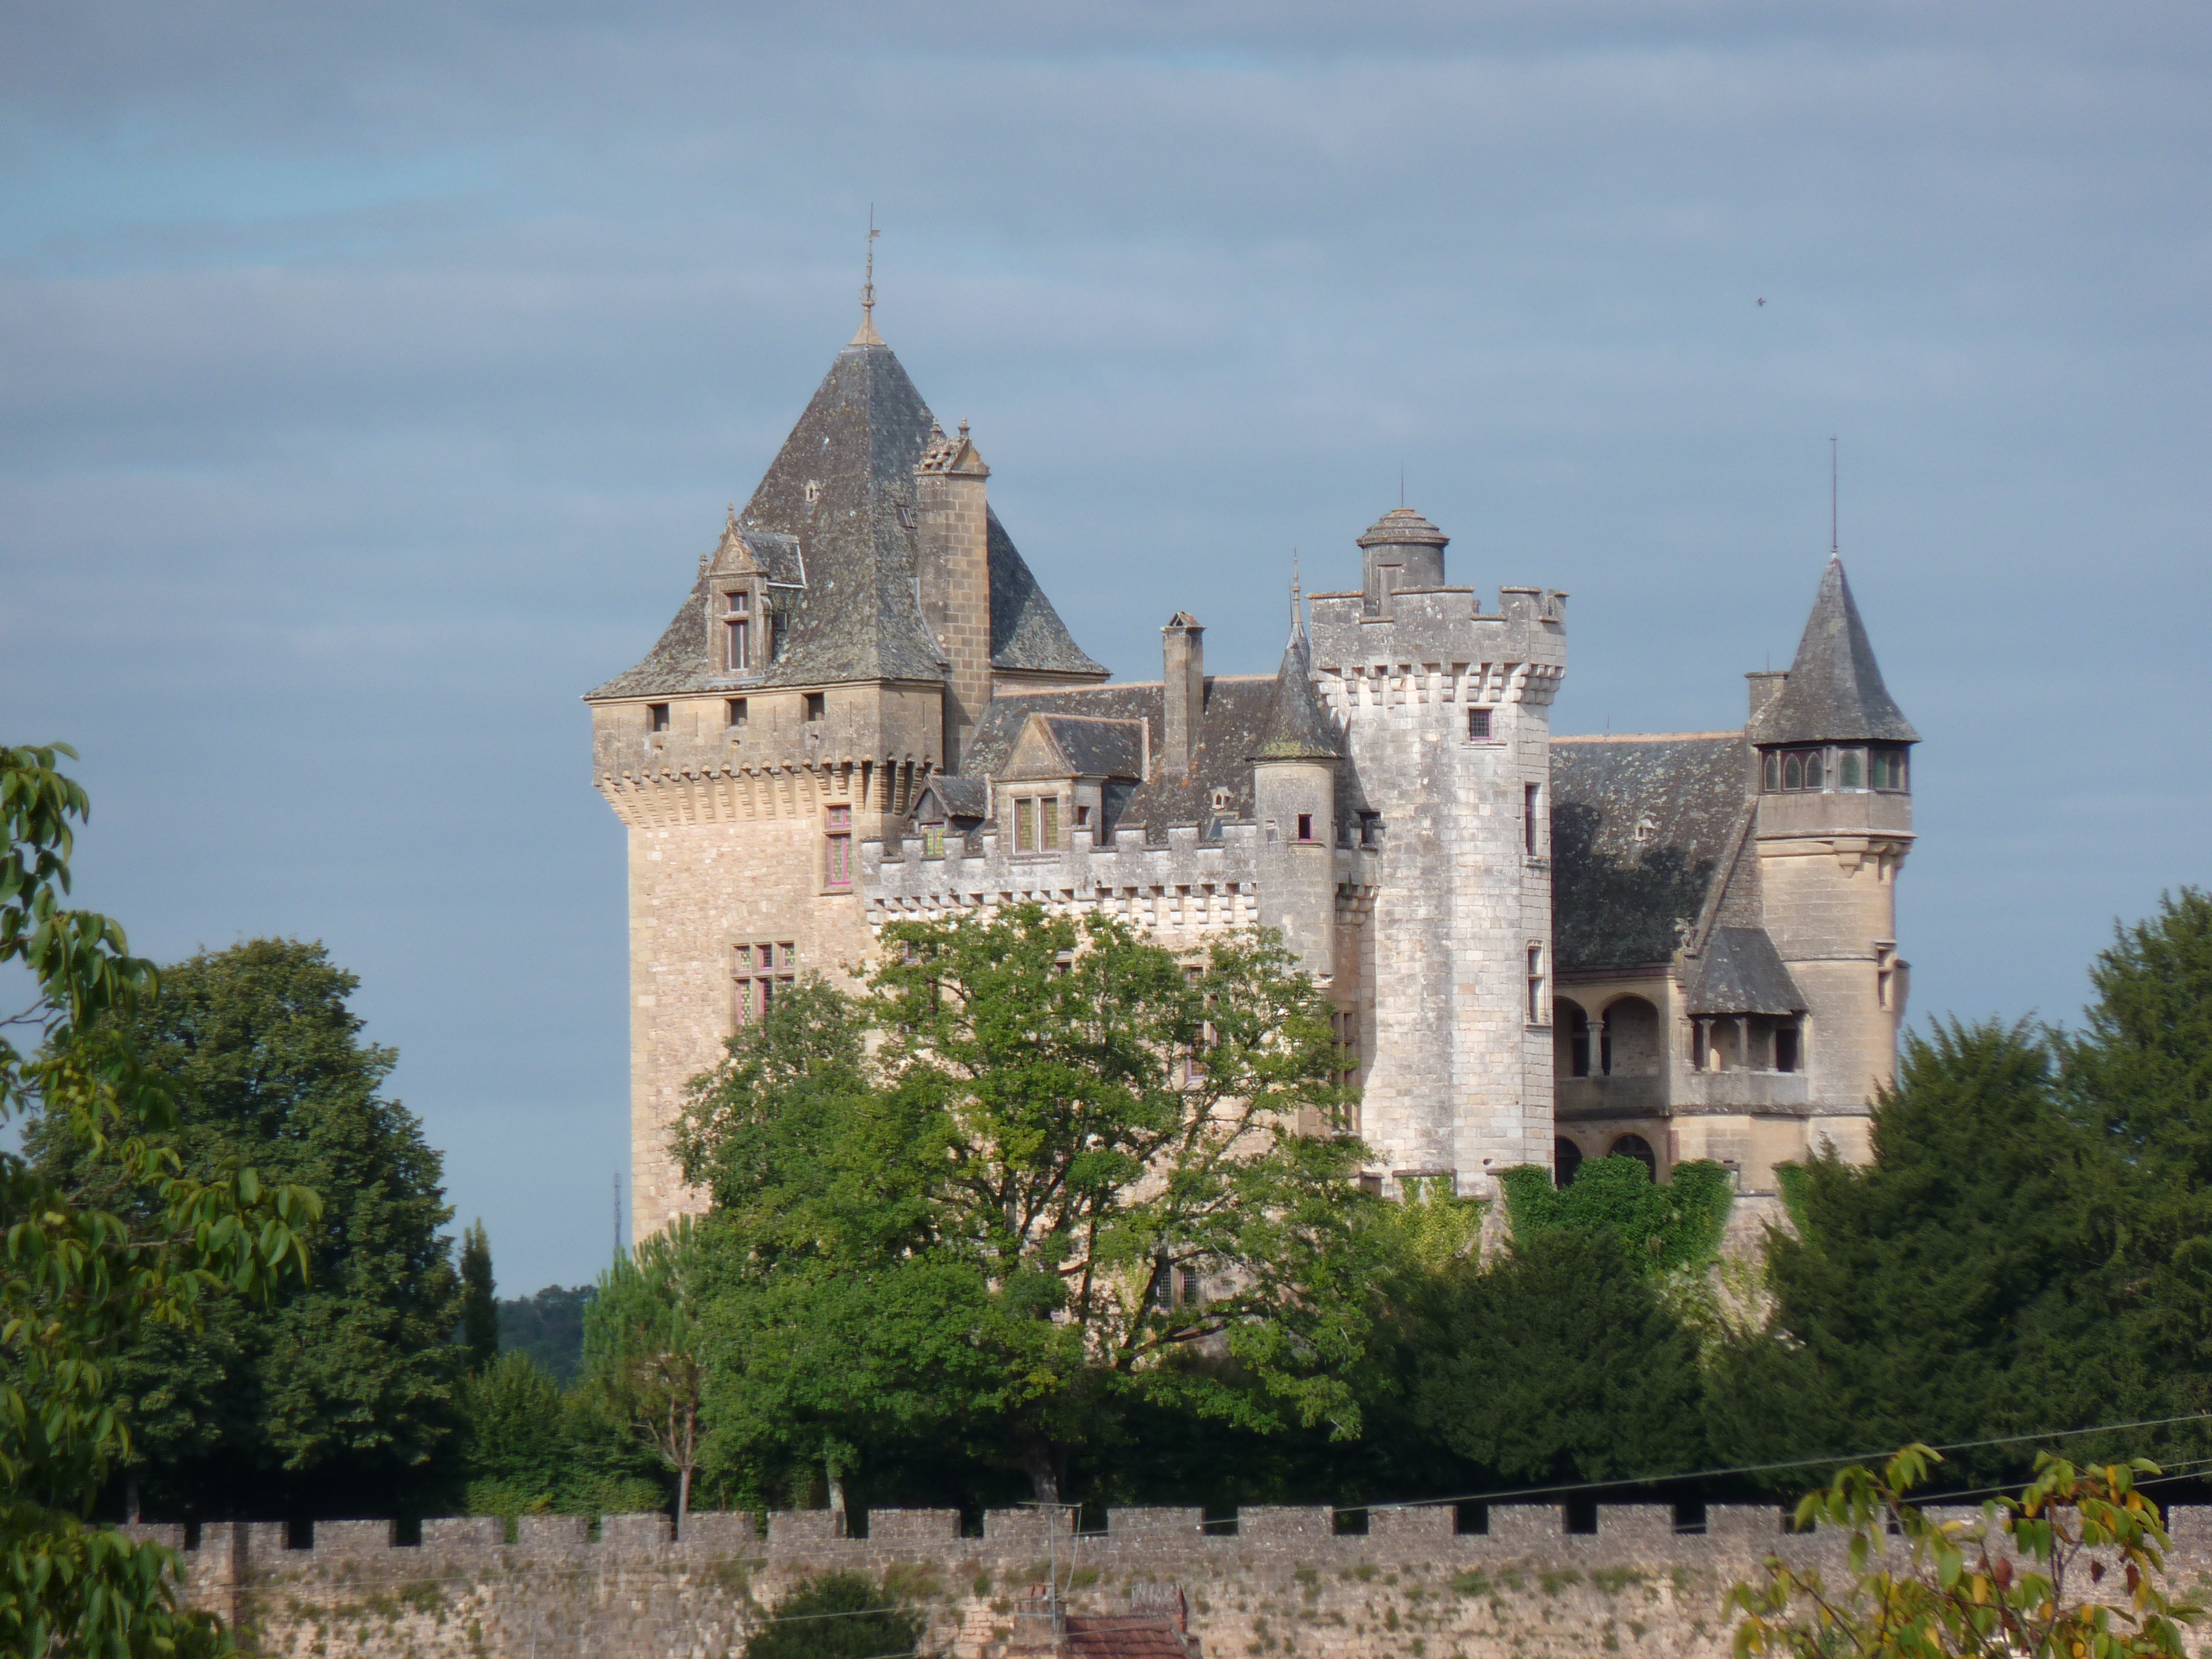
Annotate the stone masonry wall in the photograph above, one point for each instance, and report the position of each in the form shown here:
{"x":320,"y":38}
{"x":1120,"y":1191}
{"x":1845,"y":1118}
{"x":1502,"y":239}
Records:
{"x":1460,"y":1077}
{"x":1282,"y":1584}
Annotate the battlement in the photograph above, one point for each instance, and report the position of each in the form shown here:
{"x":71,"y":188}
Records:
{"x":1445,"y":1534}
{"x":1184,"y":887}
{"x":1509,"y":1581}
{"x":1439,"y":628}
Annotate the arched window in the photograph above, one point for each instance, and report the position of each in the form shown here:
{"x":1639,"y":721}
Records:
{"x":1812,"y":768}
{"x":1848,"y":769}
{"x":1566,"y":1158}
{"x":1572,"y":1029}
{"x":1638,"y":1147}
{"x":1793,"y":771}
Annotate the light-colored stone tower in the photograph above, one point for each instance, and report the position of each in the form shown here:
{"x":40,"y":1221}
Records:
{"x":1294,"y":798}
{"x":1834,"y":824}
{"x":1445,"y":712}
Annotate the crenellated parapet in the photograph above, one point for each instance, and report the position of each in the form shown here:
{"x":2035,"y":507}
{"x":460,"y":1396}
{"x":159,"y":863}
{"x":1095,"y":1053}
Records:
{"x":1180,"y":889}
{"x":1507,"y":1581}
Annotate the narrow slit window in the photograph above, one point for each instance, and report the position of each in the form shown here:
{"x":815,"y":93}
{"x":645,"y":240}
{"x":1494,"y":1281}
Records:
{"x":1536,"y":985}
{"x":840,"y":847}
{"x":1532,"y":807}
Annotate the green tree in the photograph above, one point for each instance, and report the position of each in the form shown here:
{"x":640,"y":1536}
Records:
{"x":1967,"y":1284}
{"x":1666,"y":1229}
{"x":2139,"y":1079}
{"x":642,"y":1350}
{"x":549,"y":1327}
{"x":126,"y":1239}
{"x":1558,"y":1362}
{"x":842,"y":1616}
{"x":2021,"y":1579}
{"x":1077,"y":1171}
{"x":340,"y":1398}
{"x":532,"y":1447}
{"x":479,"y":1300}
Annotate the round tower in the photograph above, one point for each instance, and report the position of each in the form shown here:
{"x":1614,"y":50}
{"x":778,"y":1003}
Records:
{"x":1834,"y":753}
{"x":1401,"y":550}
{"x":1294,"y":798}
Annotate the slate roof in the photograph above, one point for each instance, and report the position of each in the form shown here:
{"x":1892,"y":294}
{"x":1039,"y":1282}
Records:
{"x":1618,"y":901}
{"x":678,"y":662}
{"x":1834,"y":693}
{"x":857,"y":619}
{"x":956,"y":797}
{"x":1229,"y":729}
{"x":1295,"y":729}
{"x":1095,"y":748}
{"x":1741,"y":972}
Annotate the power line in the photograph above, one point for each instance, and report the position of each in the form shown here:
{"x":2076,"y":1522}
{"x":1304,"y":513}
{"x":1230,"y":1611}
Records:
{"x":1767,"y":1468}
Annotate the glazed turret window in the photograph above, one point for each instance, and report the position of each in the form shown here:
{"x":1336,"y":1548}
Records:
{"x":1789,"y":770}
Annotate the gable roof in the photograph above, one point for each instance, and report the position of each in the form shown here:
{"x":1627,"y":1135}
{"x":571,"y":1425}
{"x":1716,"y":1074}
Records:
{"x":1229,"y":725}
{"x":1643,"y":828}
{"x":1834,"y":692}
{"x":854,"y":448}
{"x":1053,"y":746}
{"x":1741,"y":972}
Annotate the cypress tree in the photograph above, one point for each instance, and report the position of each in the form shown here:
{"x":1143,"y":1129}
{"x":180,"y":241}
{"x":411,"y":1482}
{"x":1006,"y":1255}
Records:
{"x":479,"y":1300}
{"x":1961,"y":1287}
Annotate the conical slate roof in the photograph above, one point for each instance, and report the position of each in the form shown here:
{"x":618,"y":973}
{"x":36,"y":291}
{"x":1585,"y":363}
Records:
{"x":1296,"y":727}
{"x":1834,"y":693}
{"x":842,"y":487}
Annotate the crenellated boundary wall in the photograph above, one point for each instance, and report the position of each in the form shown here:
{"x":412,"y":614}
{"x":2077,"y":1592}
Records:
{"x":1283,"y":1582}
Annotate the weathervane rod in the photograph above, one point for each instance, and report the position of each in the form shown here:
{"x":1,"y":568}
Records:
{"x":867,"y":335}
{"x":1831,"y":495}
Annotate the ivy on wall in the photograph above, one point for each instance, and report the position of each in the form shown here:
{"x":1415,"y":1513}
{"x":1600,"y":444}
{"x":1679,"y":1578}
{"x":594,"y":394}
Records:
{"x":1677,"y":1225}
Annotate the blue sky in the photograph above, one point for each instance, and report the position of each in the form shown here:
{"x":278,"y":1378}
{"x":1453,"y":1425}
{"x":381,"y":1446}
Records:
{"x":371,"y":379}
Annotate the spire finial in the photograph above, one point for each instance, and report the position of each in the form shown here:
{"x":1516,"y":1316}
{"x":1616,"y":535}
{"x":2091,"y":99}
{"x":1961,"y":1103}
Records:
{"x":1831,"y":495}
{"x":1298,"y":606}
{"x":867,"y":335}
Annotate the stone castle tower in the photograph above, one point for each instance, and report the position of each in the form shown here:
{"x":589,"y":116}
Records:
{"x":1540,"y":949}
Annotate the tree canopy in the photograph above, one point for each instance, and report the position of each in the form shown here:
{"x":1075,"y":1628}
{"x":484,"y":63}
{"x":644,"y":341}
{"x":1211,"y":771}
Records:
{"x":124,"y":1239}
{"x":337,"y":1400}
{"x":1076,"y":1169}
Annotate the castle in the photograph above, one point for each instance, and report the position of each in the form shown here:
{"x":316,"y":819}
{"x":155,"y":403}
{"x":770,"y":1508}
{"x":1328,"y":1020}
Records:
{"x":1541,"y":948}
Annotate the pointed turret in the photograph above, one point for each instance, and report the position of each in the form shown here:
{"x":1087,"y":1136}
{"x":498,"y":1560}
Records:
{"x":1297,"y":730}
{"x":1834,"y":692}
{"x":1294,"y":795}
{"x":843,"y":489}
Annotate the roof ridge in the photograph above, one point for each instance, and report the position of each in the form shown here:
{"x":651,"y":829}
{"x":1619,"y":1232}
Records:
{"x":1645,"y":736}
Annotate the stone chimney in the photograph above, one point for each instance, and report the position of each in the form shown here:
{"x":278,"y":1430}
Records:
{"x":1765,"y":686}
{"x":953,"y":571}
{"x":1184,"y":665}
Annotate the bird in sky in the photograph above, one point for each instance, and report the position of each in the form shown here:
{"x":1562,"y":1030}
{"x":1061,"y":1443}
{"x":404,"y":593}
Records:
{"x":1762,"y":300}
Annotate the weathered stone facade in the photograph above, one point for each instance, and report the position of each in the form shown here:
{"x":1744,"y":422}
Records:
{"x":1279,"y":1581}
{"x":1541,"y":949}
